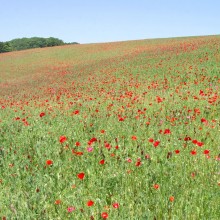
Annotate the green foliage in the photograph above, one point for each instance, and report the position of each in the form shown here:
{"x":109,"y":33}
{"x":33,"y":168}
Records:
{"x":71,"y":43}
{"x":34,"y":42}
{"x":5,"y":47}
{"x":29,"y":43}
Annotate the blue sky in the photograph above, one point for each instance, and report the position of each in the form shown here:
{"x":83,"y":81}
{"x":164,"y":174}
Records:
{"x":94,"y":21}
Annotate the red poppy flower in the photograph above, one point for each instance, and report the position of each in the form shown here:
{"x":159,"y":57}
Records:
{"x":151,"y":140}
{"x":156,"y":186}
{"x":193,"y":174}
{"x":172,"y":198}
{"x":101,"y":162}
{"x":104,"y":215}
{"x":156,"y":143}
{"x":167,"y":131}
{"x":147,"y":157}
{"x":187,"y":139}
{"x":194,"y":141}
{"x":115,"y":205}
{"x":90,"y":203}
{"x":177,"y":151}
{"x":63,"y":139}
{"x":81,"y":176}
{"x":76,"y":112}
{"x":200,"y":144}
{"x":159,"y":99}
{"x":201,"y":93}
{"x":108,"y":146}
{"x":197,"y":111}
{"x":134,"y":138}
{"x":121,"y":119}
{"x":138,"y":163}
{"x":77,"y":144}
{"x":49,"y":162}
{"x":92,"y":140}
{"x":203,"y":120}
{"x":206,"y":151}
{"x":42,"y":114}
{"x":193,"y":152}
{"x":57,"y":202}
{"x":78,"y":153}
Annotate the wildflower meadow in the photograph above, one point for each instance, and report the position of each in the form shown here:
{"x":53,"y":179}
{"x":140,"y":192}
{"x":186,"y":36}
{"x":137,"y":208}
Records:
{"x":124,"y":130}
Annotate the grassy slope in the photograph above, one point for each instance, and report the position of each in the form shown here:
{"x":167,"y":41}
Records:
{"x":133,"y":91}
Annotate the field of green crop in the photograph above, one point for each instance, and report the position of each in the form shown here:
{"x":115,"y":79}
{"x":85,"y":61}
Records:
{"x":124,"y":130}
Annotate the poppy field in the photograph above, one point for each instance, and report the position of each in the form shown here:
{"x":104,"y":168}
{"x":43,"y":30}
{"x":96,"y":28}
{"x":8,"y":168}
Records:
{"x":124,"y":130}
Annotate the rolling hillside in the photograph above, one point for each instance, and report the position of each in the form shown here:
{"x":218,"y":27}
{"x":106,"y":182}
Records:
{"x":123,"y":130}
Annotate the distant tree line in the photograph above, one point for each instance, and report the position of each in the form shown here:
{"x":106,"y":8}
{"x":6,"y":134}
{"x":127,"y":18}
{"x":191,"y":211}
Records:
{"x":28,"y":43}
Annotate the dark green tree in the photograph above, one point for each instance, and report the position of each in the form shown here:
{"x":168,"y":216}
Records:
{"x":28,"y":43}
{"x":5,"y":47}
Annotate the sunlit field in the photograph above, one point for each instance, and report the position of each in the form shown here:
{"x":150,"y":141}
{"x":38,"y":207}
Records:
{"x":124,"y":130}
